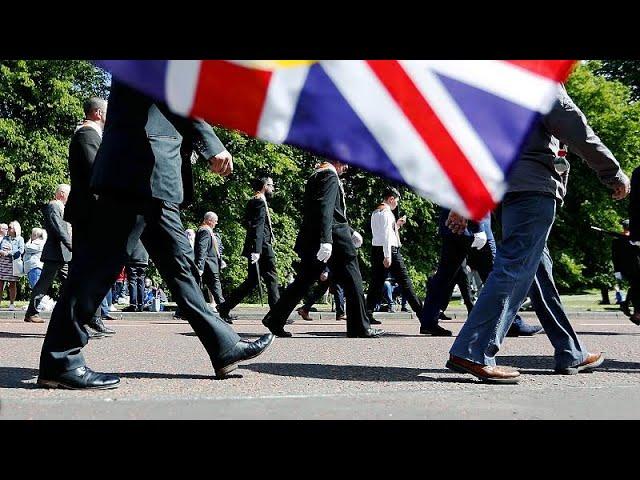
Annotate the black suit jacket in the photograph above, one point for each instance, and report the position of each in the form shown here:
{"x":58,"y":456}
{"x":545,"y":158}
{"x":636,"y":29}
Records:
{"x":259,"y":236}
{"x":324,"y":219}
{"x":57,"y":248}
{"x":206,"y":256}
{"x":82,"y":153}
{"x":145,"y":147}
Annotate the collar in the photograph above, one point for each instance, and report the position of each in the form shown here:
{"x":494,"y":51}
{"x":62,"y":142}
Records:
{"x":91,"y":124}
{"x":327,"y":166}
{"x":206,"y":227}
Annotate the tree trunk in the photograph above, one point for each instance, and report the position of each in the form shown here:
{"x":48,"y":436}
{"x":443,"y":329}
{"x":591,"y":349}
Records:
{"x":604,"y":291}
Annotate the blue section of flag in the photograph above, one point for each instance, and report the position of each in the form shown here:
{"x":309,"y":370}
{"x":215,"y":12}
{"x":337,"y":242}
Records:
{"x":148,"y":76}
{"x":326,"y":123}
{"x":499,"y":123}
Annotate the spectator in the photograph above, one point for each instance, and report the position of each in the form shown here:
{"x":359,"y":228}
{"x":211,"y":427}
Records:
{"x":32,"y":251}
{"x":11,"y":248}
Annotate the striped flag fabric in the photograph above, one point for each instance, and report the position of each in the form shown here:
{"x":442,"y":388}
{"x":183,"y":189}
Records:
{"x":450,"y":129}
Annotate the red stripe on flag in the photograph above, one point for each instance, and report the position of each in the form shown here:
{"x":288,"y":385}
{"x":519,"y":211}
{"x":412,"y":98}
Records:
{"x":231,"y":95}
{"x":463,"y":176}
{"x":557,"y":70}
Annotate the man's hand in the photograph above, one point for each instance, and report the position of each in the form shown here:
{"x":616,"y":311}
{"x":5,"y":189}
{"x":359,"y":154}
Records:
{"x":621,"y":188}
{"x":618,"y":276}
{"x":386,"y":262}
{"x":221,"y":163}
{"x":401,"y":221}
{"x":201,"y":272}
{"x":456,"y":223}
{"x":356,"y":238}
{"x":324,"y":252}
{"x":255,"y":257}
{"x":479,"y":240}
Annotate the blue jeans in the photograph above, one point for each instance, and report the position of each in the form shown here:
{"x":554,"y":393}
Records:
{"x":522,"y":263}
{"x":104,"y":305}
{"x":33,"y":276}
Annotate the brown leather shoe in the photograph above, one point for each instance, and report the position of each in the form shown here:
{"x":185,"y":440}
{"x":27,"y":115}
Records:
{"x":304,"y":313}
{"x":34,"y":318}
{"x":483,"y":372}
{"x":593,"y":361}
{"x":635,"y":318}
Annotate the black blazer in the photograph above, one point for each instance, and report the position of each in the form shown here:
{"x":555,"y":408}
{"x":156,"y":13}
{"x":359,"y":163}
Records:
{"x":82,"y":153}
{"x":140,"y":156}
{"x":323,"y":217}
{"x":259,"y":235}
{"x":57,"y":248}
{"x":206,"y":257}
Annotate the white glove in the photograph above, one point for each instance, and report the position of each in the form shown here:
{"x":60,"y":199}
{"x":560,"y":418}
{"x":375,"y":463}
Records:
{"x":201,"y":272}
{"x":223,"y":264}
{"x":356,"y":238}
{"x":479,"y":240}
{"x":255,"y":257}
{"x":324,"y":252}
{"x":618,"y":276}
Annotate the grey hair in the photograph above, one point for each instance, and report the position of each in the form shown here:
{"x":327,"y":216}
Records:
{"x":209,"y":216}
{"x":92,"y":104}
{"x":63,"y":188}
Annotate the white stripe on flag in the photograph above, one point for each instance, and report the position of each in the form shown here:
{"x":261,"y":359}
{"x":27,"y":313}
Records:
{"x":502,"y":79}
{"x":281,"y":102}
{"x":458,"y":127}
{"x":181,"y":84}
{"x":395,"y":134}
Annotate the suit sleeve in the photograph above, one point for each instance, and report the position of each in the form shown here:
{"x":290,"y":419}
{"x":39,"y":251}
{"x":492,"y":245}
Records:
{"x":568,"y":124}
{"x":634,"y":206}
{"x":327,"y":196}
{"x":58,"y":226}
{"x":200,"y":248}
{"x":89,"y":145}
{"x":256,"y":216}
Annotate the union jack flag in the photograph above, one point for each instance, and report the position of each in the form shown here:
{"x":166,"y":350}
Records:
{"x":449,"y":129}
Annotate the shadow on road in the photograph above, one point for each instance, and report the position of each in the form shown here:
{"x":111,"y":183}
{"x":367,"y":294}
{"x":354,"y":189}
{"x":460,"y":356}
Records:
{"x":357,"y":373}
{"x":543,"y":365}
{"x":17,"y":377}
{"x":21,"y":335}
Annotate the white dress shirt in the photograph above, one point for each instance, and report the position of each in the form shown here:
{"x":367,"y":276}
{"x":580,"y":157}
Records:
{"x":384,"y":229}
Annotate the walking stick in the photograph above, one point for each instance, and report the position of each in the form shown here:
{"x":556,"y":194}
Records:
{"x":259,"y":283}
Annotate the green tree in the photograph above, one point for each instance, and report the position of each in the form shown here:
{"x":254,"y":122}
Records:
{"x":582,"y":256}
{"x":625,"y":71}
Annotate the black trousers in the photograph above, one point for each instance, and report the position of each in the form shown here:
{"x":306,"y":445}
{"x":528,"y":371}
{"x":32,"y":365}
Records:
{"x":48,"y":275}
{"x":157,"y":223}
{"x":211,"y":280}
{"x":399,"y":272}
{"x":314,"y":295}
{"x":136,"y":274}
{"x":345,"y":271}
{"x":268,"y":273}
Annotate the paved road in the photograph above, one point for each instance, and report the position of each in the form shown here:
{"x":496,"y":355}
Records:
{"x":321,"y":374}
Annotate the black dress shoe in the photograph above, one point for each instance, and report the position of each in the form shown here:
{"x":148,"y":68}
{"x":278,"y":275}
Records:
{"x":369,"y":333}
{"x":443,"y":316}
{"x":97,"y":325}
{"x":94,"y":334}
{"x":82,"y":378}
{"x":108,"y":317}
{"x":277,"y":331}
{"x":243,"y":350}
{"x":130,"y":308}
{"x":436,"y":331}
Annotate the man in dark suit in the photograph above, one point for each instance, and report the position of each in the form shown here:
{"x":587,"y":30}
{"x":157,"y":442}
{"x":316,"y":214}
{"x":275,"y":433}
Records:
{"x":325,"y":237}
{"x":135,"y":173}
{"x":56,"y":253}
{"x":136,"y":268}
{"x":84,"y":145}
{"x":208,"y":257}
{"x":258,"y":248}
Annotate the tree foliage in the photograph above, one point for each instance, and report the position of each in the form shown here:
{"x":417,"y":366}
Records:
{"x":41,"y":102}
